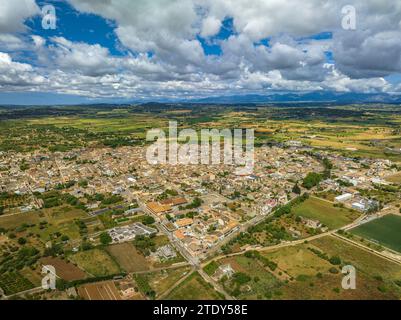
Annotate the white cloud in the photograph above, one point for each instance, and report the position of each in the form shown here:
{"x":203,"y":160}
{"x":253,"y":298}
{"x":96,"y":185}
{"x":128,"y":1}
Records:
{"x":92,"y":60}
{"x":165,"y":56}
{"x":14,"y":74}
{"x":13,"y":14}
{"x":9,"y":42}
{"x":210,"y":26}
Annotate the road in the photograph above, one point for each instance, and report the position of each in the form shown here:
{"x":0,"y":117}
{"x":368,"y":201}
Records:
{"x":194,"y":261}
{"x":198,"y":266}
{"x":30,"y":291}
{"x":365,"y":248}
{"x":334,"y":233}
{"x":169,"y":290}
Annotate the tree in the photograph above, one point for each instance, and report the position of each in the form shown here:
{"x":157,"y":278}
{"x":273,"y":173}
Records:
{"x":311,"y":180}
{"x":296,"y":189}
{"x":83,"y":183}
{"x":241,"y":278}
{"x":335,"y":260}
{"x":85,"y":246}
{"x":21,"y":241}
{"x":148,"y":220}
{"x":105,"y":238}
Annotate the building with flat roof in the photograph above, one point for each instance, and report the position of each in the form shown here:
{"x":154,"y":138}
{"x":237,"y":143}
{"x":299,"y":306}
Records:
{"x":157,"y":208}
{"x":185,"y":222}
{"x":128,"y":233}
{"x":343,"y":197}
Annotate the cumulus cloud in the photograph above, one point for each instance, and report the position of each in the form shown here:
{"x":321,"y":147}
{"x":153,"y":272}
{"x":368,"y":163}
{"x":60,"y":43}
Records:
{"x":210,"y":26}
{"x":13,"y":14}
{"x":92,"y":60}
{"x":271,"y":47}
{"x":14,"y":74}
{"x":368,"y":54}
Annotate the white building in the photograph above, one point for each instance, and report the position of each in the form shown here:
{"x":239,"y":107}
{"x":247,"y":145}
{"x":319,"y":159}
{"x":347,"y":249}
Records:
{"x":358,"y":206}
{"x":343,"y":197}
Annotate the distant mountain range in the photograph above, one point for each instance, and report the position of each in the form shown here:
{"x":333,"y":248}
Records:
{"x":288,"y":98}
{"x":318,"y":96}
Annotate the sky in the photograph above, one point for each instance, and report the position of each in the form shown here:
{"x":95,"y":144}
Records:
{"x":155,"y":50}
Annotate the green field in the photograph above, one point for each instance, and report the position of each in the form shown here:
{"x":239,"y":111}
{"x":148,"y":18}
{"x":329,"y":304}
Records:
{"x":364,"y":261}
{"x":325,"y":212}
{"x":308,"y":271}
{"x":194,"y":288}
{"x":386,"y":231}
{"x":13,"y":283}
{"x":96,"y":262}
{"x":261,"y":283}
{"x":161,"y":281}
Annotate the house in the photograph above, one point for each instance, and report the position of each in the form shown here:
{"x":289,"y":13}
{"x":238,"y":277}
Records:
{"x":157,"y":208}
{"x":166,"y":252}
{"x":310,"y":223}
{"x":128,"y":233}
{"x":185,"y":222}
{"x":132,"y":211}
{"x":174,"y":201}
{"x":231,"y":227}
{"x":194,"y":247}
{"x":358,"y":206}
{"x":224,"y":270}
{"x":343,"y":197}
{"x":179,"y":234}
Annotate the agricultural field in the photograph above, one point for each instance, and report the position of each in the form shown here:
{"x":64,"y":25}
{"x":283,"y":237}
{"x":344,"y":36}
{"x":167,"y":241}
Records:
{"x":34,"y":276}
{"x":396,"y":178}
{"x":96,"y":262}
{"x":194,"y":288}
{"x":128,"y":257}
{"x":325,"y":212}
{"x":14,"y":282}
{"x":161,"y":281}
{"x":46,"y":222}
{"x":315,"y":274}
{"x":252,"y":279}
{"x":106,"y":290}
{"x":361,"y":259}
{"x":106,"y":122}
{"x":14,"y":221}
{"x":65,"y":270}
{"x":352,"y":131}
{"x":385,"y":231}
{"x":309,"y":271}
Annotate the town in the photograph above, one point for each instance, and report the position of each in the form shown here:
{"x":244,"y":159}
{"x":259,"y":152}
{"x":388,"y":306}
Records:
{"x":117,"y":197}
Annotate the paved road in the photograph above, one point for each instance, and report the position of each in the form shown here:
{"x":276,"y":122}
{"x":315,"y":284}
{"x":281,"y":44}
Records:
{"x":169,"y":290}
{"x":173,"y":266}
{"x":215,"y":284}
{"x":30,"y":291}
{"x":365,"y":248}
{"x":287,"y":244}
{"x":194,"y":261}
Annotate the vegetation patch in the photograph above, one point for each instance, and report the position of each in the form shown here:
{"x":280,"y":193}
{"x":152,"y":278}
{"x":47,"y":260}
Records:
{"x":194,"y":288}
{"x":385,"y":231}
{"x":13,"y":282}
{"x":324,"y":211}
{"x":96,"y":262}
